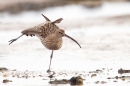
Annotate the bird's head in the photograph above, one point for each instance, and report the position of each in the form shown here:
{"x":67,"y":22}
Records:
{"x":60,"y":33}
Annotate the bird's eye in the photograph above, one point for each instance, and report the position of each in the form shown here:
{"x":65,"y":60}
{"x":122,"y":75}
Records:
{"x":60,"y":33}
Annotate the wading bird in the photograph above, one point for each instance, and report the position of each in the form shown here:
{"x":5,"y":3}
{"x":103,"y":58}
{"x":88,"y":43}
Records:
{"x":49,"y":34}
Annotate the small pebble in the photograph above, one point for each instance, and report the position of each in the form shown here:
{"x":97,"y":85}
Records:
{"x":6,"y":81}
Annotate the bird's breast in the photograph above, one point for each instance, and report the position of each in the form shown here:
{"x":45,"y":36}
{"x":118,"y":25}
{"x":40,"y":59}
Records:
{"x":52,"y":44}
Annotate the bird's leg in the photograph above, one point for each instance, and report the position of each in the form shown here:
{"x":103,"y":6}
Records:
{"x":50,"y":62}
{"x":11,"y":41}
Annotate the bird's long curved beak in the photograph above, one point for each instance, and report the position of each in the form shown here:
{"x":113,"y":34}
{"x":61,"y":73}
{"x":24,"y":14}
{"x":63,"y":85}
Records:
{"x":72,"y":39}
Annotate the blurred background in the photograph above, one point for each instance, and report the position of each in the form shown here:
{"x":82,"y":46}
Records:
{"x":102,"y":27}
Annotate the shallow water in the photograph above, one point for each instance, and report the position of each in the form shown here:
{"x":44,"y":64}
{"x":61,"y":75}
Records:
{"x":103,"y":46}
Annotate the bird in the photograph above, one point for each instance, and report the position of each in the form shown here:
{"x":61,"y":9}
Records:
{"x":49,"y":34}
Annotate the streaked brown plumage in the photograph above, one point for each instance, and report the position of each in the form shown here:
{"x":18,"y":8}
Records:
{"x":49,"y":34}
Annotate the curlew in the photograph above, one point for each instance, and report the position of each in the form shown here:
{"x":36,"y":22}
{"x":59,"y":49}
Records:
{"x":49,"y":34}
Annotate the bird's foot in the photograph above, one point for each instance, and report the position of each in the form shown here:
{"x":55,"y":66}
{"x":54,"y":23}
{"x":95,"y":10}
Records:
{"x":48,"y":71}
{"x":11,"y":41}
{"x":50,"y":76}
